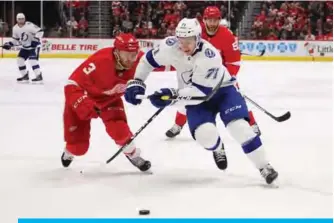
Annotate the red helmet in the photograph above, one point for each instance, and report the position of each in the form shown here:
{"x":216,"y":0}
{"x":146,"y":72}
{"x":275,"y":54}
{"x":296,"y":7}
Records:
{"x":126,"y":42}
{"x":211,"y":12}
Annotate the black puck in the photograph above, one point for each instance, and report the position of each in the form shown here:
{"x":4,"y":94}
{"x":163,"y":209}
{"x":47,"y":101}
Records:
{"x":144,"y":212}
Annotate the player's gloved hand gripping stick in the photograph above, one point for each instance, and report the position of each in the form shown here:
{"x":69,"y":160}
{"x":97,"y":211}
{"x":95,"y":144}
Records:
{"x":204,"y":98}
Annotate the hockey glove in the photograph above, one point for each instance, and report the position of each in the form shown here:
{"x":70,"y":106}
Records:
{"x":8,"y":45}
{"x":158,"y":102}
{"x":35,"y":44}
{"x":85,"y":108}
{"x":134,"y":87}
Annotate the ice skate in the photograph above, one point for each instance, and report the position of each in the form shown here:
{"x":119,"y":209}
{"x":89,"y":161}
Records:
{"x":38,"y":79}
{"x":66,"y":159}
{"x":140,"y":163}
{"x":220,"y":158}
{"x":24,"y":79}
{"x":174,"y":131}
{"x":268,"y":173}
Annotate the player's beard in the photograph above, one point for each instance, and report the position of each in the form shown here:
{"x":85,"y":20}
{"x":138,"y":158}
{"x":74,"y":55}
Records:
{"x":211,"y":30}
{"x":121,"y":65}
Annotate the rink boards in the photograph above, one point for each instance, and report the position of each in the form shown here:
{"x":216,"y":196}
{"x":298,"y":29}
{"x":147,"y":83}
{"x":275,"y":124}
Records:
{"x":274,"y":50}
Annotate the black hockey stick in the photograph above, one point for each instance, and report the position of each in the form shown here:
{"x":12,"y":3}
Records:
{"x":136,"y":134}
{"x":207,"y":97}
{"x":281,"y":118}
{"x":260,"y":55}
{"x":191,"y":98}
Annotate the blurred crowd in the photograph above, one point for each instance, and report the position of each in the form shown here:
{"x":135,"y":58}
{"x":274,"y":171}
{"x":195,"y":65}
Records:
{"x":145,"y":19}
{"x":288,"y":20}
{"x":158,"y":19}
{"x":73,"y":22}
{"x":294,"y":20}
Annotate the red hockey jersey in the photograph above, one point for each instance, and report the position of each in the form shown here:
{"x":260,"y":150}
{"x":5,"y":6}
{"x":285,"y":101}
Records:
{"x":97,"y":77}
{"x":227,"y":44}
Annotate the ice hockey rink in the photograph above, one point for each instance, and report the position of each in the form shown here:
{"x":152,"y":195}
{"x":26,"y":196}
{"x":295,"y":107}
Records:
{"x":185,"y":181}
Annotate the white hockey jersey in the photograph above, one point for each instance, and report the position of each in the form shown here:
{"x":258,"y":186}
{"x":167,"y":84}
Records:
{"x":26,"y":34}
{"x":200,"y":72}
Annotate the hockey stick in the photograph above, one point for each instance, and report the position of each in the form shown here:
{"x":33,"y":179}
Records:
{"x":207,"y":97}
{"x":1,"y":46}
{"x":191,"y":98}
{"x":260,"y":55}
{"x":281,"y":118}
{"x":136,"y":134}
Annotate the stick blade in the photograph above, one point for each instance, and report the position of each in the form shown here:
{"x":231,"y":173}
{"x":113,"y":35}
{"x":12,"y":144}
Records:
{"x":284,"y":117}
{"x":262,"y":53}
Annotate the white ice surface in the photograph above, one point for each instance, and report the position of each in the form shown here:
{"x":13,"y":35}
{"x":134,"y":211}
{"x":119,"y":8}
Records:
{"x":186,"y":182}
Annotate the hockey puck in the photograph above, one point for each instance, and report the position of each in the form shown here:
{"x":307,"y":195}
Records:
{"x":144,"y":212}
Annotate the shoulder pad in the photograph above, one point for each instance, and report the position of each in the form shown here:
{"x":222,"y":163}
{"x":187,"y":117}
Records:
{"x":209,"y":53}
{"x":170,"y":41}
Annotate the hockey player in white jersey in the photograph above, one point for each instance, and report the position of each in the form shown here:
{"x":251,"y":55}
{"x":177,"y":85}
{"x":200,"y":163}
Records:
{"x":200,"y":66}
{"x":28,"y":36}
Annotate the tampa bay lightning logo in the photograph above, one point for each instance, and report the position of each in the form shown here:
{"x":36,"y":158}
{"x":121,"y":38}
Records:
{"x":24,"y":37}
{"x":170,"y":41}
{"x":186,"y":76}
{"x":209,"y":53}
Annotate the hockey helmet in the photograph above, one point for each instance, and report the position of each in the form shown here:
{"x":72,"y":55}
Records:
{"x":211,"y":12}
{"x":188,"y":28}
{"x":126,"y":42}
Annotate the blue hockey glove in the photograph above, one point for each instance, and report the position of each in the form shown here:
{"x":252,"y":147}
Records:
{"x":34,"y":44}
{"x":8,"y":45}
{"x":134,"y":87}
{"x":158,"y":102}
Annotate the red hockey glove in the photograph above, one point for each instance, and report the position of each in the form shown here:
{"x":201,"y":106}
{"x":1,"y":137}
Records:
{"x":83,"y":106}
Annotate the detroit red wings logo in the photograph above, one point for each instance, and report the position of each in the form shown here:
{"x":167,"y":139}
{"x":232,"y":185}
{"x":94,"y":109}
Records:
{"x":118,"y":89}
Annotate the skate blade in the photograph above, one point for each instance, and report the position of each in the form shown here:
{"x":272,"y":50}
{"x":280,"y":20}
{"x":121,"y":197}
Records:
{"x":23,"y":82}
{"x":37,"y":82}
{"x":147,"y":172}
{"x":274,"y":185}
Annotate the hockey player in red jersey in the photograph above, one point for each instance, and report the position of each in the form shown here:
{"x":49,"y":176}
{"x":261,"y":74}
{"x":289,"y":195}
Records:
{"x":93,"y":91}
{"x":224,"y":40}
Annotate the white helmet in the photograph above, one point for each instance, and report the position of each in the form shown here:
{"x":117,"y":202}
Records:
{"x":188,"y":28}
{"x":20,"y":16}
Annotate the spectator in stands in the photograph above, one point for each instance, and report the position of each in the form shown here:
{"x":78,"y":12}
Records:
{"x":179,"y":6}
{"x":145,"y":32}
{"x":116,"y":31}
{"x":83,"y":23}
{"x":328,"y":26}
{"x":83,"y":27}
{"x":309,"y":36}
{"x":72,"y":25}
{"x":127,"y":24}
{"x":116,"y":7}
{"x":154,"y":33}
{"x":294,"y":19}
{"x":162,"y":31}
{"x":1,"y":27}
{"x":320,"y":36}
{"x":272,"y":36}
{"x":56,"y":31}
{"x":262,"y":16}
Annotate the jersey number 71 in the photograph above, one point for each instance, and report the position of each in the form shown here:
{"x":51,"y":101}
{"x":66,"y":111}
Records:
{"x":212,"y":73}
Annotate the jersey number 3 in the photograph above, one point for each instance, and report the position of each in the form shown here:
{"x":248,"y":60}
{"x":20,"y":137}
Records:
{"x":89,"y":69}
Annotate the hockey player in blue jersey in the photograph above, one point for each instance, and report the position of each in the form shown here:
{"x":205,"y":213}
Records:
{"x":28,"y":36}
{"x":201,"y":69}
